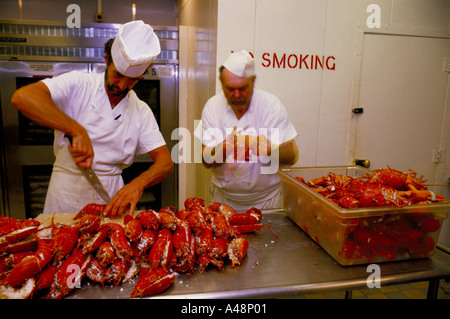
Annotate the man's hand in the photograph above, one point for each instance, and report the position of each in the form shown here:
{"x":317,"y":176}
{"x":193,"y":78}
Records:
{"x":124,"y":201}
{"x":252,"y":145}
{"x":213,"y":156}
{"x":81,"y":150}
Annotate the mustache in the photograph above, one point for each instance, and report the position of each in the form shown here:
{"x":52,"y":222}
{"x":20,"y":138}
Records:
{"x":238,"y":101}
{"x":115,"y":90}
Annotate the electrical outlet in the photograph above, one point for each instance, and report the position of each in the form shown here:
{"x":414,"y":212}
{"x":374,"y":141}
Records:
{"x":437,"y":156}
{"x":446,"y":66}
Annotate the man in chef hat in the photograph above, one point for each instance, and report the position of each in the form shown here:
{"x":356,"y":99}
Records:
{"x":107,"y":122}
{"x":245,"y":132}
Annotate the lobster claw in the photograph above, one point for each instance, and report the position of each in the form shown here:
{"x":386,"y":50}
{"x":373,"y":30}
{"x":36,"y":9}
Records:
{"x":17,"y":235}
{"x":133,"y":230}
{"x":153,"y":282}
{"x":105,"y":254}
{"x":246,"y":222}
{"x":46,"y":277}
{"x":91,"y":208}
{"x":30,"y":265}
{"x":236,"y":250}
{"x":148,"y":219}
{"x":95,"y":242}
{"x":161,"y":251}
{"x":148,"y":238}
{"x":252,"y":216}
{"x":89,"y":223}
{"x":424,"y":195}
{"x":193,"y":201}
{"x":70,"y":273}
{"x":64,"y":241}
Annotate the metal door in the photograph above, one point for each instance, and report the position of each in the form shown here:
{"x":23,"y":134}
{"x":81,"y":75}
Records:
{"x":404,"y":90}
{"x":15,"y":153}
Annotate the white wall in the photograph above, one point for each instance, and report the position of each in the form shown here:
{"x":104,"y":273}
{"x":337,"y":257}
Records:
{"x":318,"y":100}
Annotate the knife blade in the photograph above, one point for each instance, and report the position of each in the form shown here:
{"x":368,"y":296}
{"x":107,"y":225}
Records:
{"x":92,"y":178}
{"x":95,"y":183}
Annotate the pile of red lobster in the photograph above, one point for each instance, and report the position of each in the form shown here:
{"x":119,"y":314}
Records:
{"x":152,"y":245}
{"x":384,"y":187}
{"x":390,"y":237}
{"x":382,"y":237}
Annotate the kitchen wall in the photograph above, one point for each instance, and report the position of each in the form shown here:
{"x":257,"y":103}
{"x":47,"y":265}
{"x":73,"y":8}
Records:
{"x":155,"y":12}
{"x":319,"y":99}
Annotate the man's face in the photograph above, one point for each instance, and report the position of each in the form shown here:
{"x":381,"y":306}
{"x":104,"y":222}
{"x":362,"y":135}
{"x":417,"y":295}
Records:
{"x":238,"y":91}
{"x":116,"y":83}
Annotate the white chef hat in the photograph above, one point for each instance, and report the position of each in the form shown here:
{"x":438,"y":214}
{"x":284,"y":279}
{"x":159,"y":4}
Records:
{"x":136,"y":46}
{"x":240,"y":63}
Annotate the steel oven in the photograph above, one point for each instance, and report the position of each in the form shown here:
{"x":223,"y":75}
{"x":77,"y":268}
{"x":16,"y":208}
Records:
{"x":32,"y":50}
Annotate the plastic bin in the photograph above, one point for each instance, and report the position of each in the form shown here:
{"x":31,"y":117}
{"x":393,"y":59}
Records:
{"x":360,"y":235}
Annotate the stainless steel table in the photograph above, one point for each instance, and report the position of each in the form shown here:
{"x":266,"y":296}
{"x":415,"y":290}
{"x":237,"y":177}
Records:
{"x":283,"y":267}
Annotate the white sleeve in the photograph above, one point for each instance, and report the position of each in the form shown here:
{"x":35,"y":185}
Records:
{"x":209,"y":132}
{"x":150,"y":136}
{"x":65,"y":87}
{"x":276,"y":119}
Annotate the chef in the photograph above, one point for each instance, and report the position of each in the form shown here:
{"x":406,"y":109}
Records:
{"x":107,"y":122}
{"x":244,"y":132}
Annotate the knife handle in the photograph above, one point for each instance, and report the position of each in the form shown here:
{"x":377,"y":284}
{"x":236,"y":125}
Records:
{"x":69,"y":138}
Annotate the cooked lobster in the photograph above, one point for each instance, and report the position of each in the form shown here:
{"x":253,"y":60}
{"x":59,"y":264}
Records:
{"x":155,"y":245}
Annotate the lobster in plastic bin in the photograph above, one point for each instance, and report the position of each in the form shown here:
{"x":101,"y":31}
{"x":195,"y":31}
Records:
{"x":383,"y":187}
{"x":389,"y":236}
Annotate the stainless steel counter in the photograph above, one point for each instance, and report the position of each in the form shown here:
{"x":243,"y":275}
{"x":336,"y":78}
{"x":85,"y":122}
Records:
{"x":282,"y":267}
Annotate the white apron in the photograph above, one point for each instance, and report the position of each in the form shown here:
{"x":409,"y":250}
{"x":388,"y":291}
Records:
{"x":238,"y":183}
{"x":241,"y":184}
{"x":274,"y":202}
{"x":69,"y":190}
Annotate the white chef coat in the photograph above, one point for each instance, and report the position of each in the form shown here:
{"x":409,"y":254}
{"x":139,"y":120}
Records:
{"x":117,"y":135}
{"x":237,"y":182}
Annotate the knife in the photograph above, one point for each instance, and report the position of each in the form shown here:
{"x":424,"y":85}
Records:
{"x":93,"y":178}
